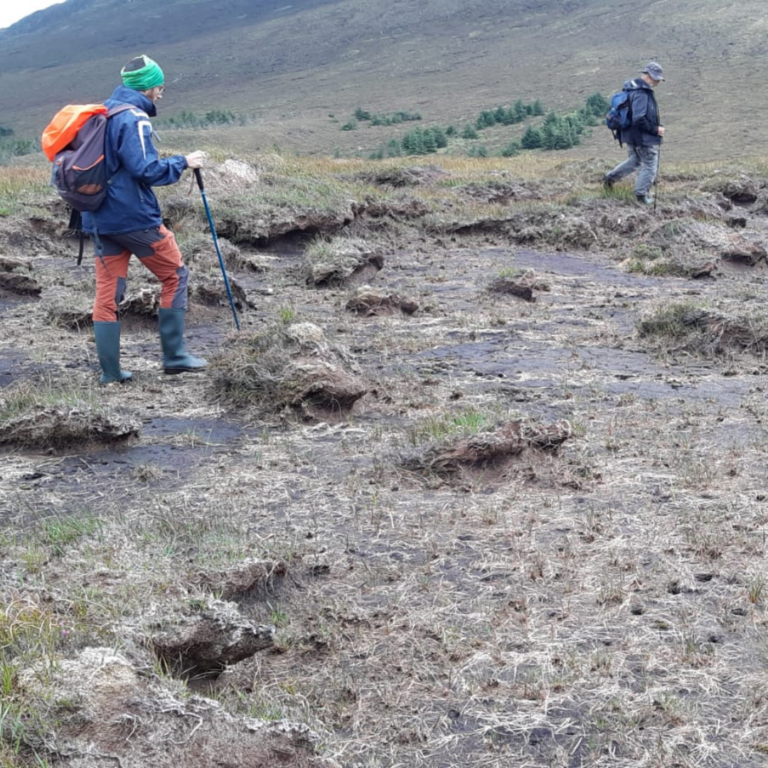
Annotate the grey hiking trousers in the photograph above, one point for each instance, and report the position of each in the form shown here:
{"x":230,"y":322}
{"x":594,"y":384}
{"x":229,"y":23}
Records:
{"x":644,"y":158}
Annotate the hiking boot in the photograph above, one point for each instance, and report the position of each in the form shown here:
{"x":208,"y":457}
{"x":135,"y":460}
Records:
{"x":176,"y":359}
{"x":608,"y":182}
{"x":644,"y":199}
{"x":107,"y":337}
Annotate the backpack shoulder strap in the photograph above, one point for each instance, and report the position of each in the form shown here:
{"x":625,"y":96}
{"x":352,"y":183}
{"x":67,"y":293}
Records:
{"x":120,"y":108}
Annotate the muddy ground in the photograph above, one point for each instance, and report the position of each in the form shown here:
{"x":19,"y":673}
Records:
{"x":600,"y":603}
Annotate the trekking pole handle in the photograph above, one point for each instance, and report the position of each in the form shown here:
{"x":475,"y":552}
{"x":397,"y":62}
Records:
{"x":199,"y":177}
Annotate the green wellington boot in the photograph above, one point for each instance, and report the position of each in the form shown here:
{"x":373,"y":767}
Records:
{"x":108,"y":349}
{"x":176,"y":359}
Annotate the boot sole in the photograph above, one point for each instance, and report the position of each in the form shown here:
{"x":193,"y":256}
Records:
{"x":174,"y":371}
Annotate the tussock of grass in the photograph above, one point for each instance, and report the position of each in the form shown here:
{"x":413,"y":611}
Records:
{"x":45,"y":416}
{"x":286,"y":366}
{"x":675,"y":321}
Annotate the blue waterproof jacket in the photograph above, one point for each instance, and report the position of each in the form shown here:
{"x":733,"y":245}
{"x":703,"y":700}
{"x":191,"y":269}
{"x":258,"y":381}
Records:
{"x":133,"y":168}
{"x":644,"y":131}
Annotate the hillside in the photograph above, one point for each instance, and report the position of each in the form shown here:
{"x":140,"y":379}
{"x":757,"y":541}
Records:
{"x":295,"y":73}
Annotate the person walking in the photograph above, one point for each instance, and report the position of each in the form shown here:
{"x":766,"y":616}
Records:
{"x":644,"y":136}
{"x":129,"y":223}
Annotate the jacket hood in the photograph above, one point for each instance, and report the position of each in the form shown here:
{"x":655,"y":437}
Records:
{"x":123,"y":95}
{"x":635,"y":84}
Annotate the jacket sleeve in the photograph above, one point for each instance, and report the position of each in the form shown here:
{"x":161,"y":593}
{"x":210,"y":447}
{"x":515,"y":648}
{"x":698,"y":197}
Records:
{"x":139,"y":157}
{"x":641,"y":119}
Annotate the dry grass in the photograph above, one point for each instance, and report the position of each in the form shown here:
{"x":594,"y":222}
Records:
{"x":603,"y":606}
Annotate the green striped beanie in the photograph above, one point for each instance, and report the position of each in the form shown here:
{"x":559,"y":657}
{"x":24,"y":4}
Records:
{"x":142,"y":74}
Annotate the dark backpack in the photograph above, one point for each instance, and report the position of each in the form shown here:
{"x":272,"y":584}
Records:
{"x":74,"y":143}
{"x":619,"y":115}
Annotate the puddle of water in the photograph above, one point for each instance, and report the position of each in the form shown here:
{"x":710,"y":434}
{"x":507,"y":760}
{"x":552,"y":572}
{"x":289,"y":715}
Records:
{"x":208,"y":430}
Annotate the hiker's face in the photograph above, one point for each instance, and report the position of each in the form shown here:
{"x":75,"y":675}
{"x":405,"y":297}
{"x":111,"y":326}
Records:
{"x":155,"y":94}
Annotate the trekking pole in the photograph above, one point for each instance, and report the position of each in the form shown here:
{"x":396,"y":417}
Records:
{"x":199,"y":177}
{"x":656,"y":183}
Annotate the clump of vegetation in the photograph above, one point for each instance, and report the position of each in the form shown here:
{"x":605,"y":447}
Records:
{"x":11,"y":146}
{"x":557,"y":131}
{"x":517,"y":113}
{"x":419,"y":141}
{"x":673,"y":321}
{"x":211,"y":118}
{"x":393,"y":118}
{"x":39,"y":416}
{"x":287,"y":366}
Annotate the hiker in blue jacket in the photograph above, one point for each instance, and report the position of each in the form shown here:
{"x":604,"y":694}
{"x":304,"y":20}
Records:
{"x":129,"y":223}
{"x":644,"y":136}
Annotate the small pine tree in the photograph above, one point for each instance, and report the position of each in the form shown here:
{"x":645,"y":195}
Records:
{"x":428,"y":142}
{"x":469,"y":133}
{"x":597,"y":105}
{"x":531,"y":138}
{"x":450,"y":131}
{"x":537,"y":109}
{"x":511,"y":150}
{"x":440,"y":138}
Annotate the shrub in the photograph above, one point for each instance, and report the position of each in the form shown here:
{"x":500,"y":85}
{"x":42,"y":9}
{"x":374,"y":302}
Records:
{"x":531,"y":138}
{"x":597,"y":105}
{"x":512,"y":149}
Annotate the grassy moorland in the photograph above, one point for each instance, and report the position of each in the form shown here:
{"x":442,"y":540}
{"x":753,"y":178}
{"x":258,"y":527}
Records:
{"x":296,"y":74}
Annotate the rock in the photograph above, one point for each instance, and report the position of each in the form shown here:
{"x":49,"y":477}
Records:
{"x":19,"y":284}
{"x":521,"y":287}
{"x":703,"y":271}
{"x":323,"y":384}
{"x":749,"y":254}
{"x":207,"y":643}
{"x":341,"y":261}
{"x":145,"y":303}
{"x":215,"y":293}
{"x":8,"y":264}
{"x":369,"y":302}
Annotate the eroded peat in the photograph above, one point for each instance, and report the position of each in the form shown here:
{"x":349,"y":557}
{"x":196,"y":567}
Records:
{"x":595,"y":600}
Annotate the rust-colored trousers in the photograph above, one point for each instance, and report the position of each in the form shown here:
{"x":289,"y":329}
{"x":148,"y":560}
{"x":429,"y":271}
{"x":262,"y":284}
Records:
{"x":158,"y":252}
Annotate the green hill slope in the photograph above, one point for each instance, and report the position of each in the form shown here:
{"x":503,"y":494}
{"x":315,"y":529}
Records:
{"x":285,"y":68}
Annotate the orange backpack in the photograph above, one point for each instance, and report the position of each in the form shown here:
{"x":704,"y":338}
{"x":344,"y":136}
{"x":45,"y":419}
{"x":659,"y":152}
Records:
{"x":65,"y":126}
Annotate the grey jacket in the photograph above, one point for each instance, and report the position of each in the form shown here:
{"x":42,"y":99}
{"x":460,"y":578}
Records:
{"x":644,"y":131}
